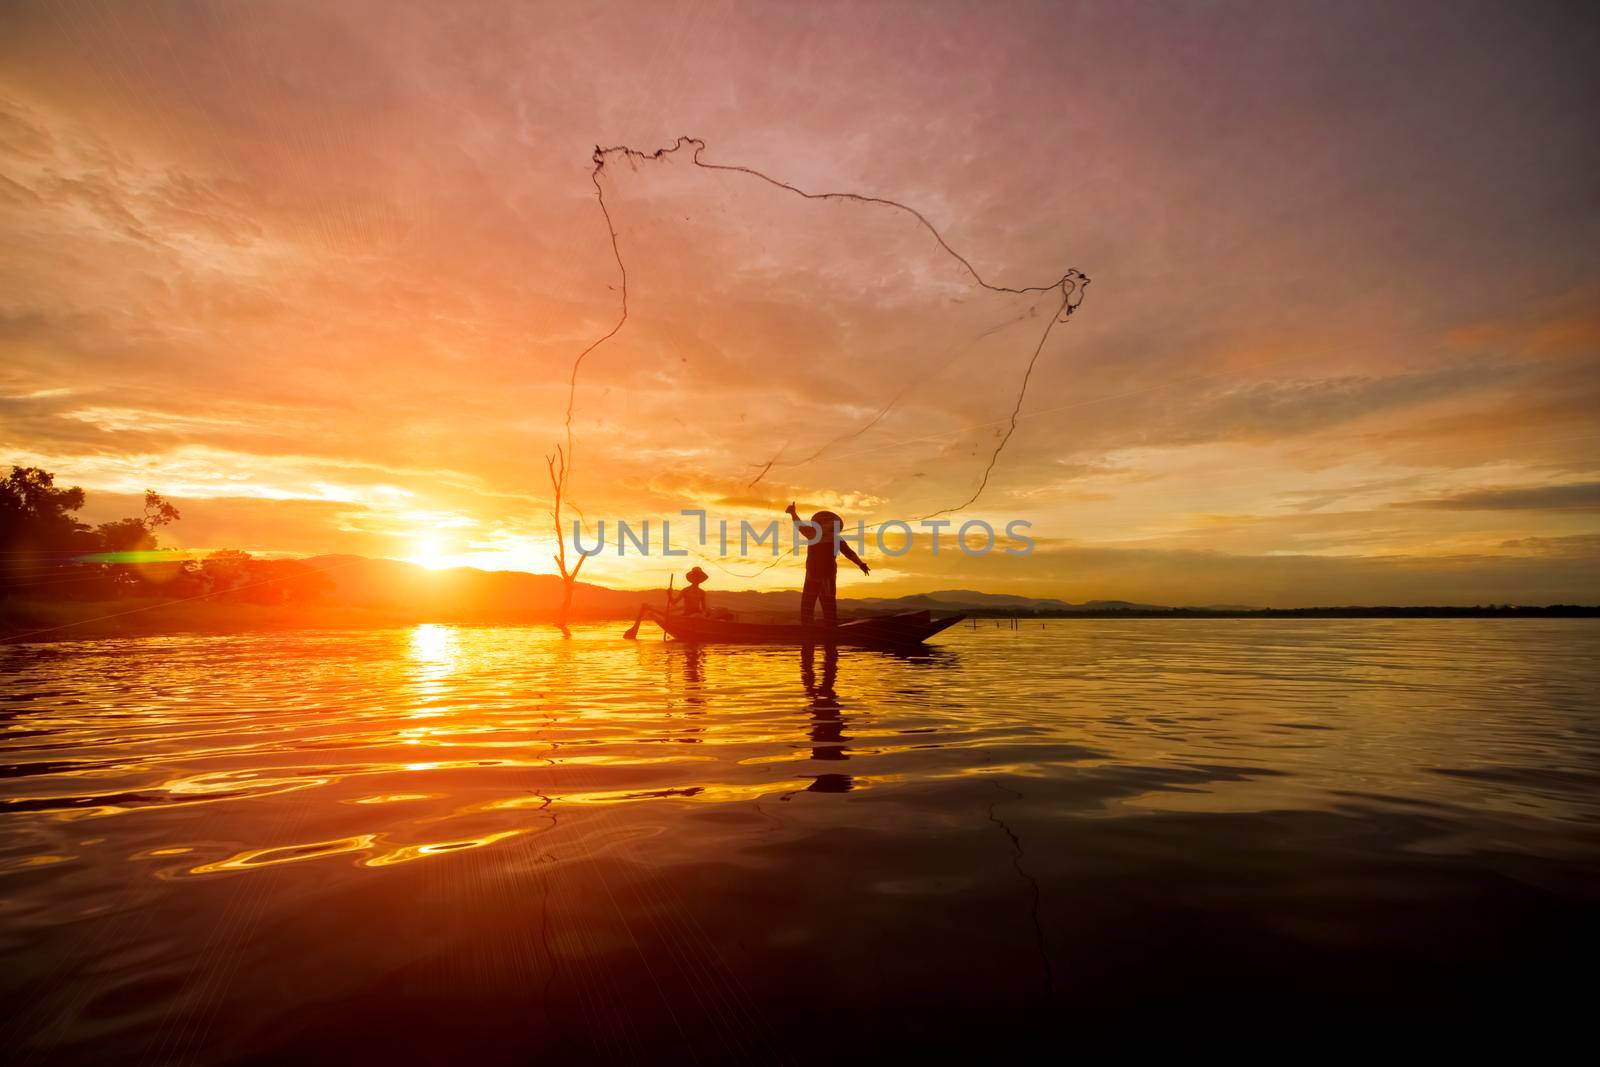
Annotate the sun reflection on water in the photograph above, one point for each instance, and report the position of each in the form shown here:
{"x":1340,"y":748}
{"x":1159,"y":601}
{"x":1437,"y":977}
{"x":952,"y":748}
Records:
{"x":257,"y":735}
{"x":434,"y":652}
{"x":261,"y":804}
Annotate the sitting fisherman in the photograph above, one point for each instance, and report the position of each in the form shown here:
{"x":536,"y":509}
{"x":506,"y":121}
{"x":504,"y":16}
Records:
{"x":691,"y":598}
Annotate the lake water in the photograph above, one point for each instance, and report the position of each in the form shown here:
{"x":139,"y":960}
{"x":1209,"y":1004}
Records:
{"x":445,"y":843}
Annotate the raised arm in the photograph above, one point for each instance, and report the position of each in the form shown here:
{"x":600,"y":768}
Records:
{"x":802,"y":524}
{"x":850,"y":554}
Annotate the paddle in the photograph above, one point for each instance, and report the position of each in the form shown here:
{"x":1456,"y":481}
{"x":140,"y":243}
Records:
{"x":632,"y":632}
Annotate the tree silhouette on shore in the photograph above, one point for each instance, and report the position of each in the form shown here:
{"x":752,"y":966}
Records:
{"x":39,"y":522}
{"x":48,"y":553}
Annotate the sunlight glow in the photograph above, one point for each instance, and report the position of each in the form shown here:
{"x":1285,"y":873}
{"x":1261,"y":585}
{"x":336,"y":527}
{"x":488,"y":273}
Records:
{"x":429,"y":552}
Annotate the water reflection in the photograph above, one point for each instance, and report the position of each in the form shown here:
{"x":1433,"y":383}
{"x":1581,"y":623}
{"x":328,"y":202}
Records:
{"x":687,"y":701}
{"x":828,"y":740}
{"x":220,"y":836}
{"x":434,"y":652}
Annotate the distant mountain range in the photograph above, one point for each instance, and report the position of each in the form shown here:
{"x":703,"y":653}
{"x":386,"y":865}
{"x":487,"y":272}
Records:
{"x":969,"y":600}
{"x":363,"y":593}
{"x":405,"y":590}
{"x":394,"y":586}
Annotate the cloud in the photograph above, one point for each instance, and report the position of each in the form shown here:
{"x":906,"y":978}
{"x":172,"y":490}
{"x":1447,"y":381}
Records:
{"x":1578,"y":546}
{"x":301,"y":254}
{"x":1575,"y":496}
{"x":1277,"y":409}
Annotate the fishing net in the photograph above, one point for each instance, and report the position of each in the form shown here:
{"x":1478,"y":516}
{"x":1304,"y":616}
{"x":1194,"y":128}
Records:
{"x":786,"y":343}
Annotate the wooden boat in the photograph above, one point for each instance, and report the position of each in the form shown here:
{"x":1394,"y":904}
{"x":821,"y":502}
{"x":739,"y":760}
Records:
{"x":907,"y":629}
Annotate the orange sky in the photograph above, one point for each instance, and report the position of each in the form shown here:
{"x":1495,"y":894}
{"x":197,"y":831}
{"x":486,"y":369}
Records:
{"x":317,"y":272}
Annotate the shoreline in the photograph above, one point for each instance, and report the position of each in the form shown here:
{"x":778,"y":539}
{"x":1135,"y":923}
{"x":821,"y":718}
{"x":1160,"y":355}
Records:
{"x":43,"y":621}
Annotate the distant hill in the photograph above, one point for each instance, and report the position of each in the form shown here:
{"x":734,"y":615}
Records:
{"x":464,"y":592}
{"x":969,"y":600}
{"x":407,"y":591}
{"x":366,"y":593}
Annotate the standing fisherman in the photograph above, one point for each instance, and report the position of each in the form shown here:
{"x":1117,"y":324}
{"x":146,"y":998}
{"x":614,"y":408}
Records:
{"x":822,"y":569}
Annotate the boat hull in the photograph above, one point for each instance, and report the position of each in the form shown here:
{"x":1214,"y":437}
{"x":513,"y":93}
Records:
{"x":905,"y":630}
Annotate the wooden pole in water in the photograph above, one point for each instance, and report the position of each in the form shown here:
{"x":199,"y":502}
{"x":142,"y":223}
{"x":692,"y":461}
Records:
{"x":673,"y":577}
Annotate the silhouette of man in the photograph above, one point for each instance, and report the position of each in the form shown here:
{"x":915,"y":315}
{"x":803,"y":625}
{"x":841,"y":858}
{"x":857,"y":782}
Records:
{"x":822,"y":570}
{"x":691,"y":598}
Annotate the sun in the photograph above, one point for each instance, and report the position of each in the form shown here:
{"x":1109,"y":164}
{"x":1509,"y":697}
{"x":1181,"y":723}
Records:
{"x":429,"y":552}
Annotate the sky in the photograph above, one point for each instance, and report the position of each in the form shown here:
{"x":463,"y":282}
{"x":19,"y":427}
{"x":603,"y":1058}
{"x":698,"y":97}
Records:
{"x":318,"y":273}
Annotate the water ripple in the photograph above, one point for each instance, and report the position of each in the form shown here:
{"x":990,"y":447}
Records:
{"x":171,"y":806}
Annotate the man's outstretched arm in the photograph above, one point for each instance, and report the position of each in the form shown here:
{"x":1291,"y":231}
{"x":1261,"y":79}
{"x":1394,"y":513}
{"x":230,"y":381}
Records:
{"x":794,"y":516}
{"x":850,"y":554}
